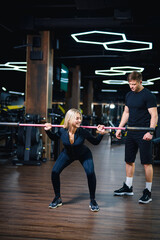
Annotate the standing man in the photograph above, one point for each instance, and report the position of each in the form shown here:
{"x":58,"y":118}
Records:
{"x":140,"y":111}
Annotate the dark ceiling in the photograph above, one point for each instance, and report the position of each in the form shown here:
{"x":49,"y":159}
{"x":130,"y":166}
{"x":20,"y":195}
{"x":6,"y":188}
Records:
{"x":139,"y":21}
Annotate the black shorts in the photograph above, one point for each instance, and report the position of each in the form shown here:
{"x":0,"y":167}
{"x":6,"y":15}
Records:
{"x":134,"y":141}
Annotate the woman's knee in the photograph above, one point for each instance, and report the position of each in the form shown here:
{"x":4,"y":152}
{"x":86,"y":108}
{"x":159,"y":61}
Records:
{"x":55,"y":173}
{"x":90,"y":172}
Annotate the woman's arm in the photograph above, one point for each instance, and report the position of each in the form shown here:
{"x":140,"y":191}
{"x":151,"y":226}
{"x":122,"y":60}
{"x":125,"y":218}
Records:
{"x":47,"y":128}
{"x":95,"y":140}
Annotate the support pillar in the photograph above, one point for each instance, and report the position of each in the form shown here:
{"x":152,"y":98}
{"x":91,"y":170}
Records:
{"x":88,"y":98}
{"x":73,"y":94}
{"x":39,"y":76}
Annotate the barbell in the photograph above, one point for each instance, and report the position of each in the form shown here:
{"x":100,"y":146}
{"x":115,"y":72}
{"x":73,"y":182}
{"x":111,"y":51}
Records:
{"x":148,"y":129}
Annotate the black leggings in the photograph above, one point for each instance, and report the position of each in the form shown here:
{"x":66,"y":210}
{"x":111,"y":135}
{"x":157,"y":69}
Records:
{"x":64,"y":160}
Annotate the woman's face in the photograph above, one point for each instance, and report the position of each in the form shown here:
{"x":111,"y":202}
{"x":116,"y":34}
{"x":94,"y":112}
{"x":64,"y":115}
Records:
{"x":76,"y":120}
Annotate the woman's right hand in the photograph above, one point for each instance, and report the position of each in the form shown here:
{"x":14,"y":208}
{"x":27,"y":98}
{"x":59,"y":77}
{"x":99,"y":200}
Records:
{"x":48,"y":126}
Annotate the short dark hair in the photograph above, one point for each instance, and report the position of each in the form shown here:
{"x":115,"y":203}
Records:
{"x":135,"y":76}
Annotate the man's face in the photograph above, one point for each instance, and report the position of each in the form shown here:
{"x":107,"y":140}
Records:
{"x":135,"y":86}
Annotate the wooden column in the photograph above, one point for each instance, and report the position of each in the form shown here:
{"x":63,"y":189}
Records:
{"x":73,"y":94}
{"x":38,"y":96}
{"x":88,"y":98}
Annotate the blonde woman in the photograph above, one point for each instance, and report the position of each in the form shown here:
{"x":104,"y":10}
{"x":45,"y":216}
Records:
{"x":73,"y":138}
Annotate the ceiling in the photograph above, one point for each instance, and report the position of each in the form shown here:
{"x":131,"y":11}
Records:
{"x":138,"y":20}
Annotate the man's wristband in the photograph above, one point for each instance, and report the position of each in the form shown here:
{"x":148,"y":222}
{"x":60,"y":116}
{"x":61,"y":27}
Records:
{"x":151,"y":133}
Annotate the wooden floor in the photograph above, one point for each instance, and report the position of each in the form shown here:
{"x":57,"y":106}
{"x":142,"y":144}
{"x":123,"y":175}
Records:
{"x":26,"y":191}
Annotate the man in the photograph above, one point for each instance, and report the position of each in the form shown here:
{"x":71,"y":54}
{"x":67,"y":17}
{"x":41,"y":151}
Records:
{"x":140,"y":111}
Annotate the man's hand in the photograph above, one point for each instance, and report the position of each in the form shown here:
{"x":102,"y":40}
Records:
{"x":147,"y":136}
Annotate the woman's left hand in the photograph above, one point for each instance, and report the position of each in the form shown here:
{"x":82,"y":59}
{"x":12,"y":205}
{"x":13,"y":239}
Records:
{"x":100,"y":129}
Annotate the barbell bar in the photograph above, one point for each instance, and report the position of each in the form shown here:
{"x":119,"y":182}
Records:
{"x":89,"y":127}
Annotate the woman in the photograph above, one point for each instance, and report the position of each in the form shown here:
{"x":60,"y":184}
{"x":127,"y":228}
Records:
{"x":73,"y":138}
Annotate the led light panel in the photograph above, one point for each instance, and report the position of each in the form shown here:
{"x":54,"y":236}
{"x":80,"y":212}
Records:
{"x":14,"y":66}
{"x":115,"y":71}
{"x":108,"y":44}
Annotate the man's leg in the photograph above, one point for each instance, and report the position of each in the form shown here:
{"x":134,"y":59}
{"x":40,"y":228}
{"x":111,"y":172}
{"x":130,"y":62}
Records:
{"x":131,"y":149}
{"x":146,"y":160}
{"x":130,"y":168}
{"x":148,"y":168}
{"x":146,"y":198}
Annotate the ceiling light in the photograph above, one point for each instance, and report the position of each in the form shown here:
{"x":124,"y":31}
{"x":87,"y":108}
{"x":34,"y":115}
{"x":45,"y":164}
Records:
{"x":107,"y":44}
{"x":17,"y":93}
{"x":76,"y":35}
{"x":112,"y":106}
{"x":109,"y":90}
{"x":129,"y":49}
{"x":14,"y":66}
{"x":109,"y":72}
{"x":122,"y":70}
{"x":116,"y":82}
{"x":153,"y":79}
{"x":147,"y":83}
{"x":122,"y":82}
{"x":154,"y":92}
{"x":4,"y":89}
{"x":129,"y":69}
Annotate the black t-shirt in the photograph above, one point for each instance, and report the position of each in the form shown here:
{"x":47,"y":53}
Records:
{"x":138,"y":104}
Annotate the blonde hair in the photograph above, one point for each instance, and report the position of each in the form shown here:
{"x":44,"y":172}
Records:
{"x":70,"y":115}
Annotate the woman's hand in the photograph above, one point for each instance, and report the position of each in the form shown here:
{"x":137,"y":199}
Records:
{"x":48,"y":126}
{"x":100,"y":129}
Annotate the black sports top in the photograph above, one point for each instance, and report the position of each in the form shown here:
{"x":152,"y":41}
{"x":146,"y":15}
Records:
{"x":138,"y":104}
{"x":80,"y":135}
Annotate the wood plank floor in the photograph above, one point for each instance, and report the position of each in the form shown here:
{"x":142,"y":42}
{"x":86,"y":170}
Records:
{"x":26,"y":191}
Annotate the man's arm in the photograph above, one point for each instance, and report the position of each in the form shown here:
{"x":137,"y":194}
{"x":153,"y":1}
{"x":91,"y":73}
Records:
{"x":123,"y":121}
{"x":153,"y":122}
{"x":154,"y":117}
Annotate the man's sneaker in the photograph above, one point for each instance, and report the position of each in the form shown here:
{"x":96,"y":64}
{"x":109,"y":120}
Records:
{"x":57,"y":202}
{"x":125,"y":190}
{"x":146,"y":198}
{"x":94,"y":206}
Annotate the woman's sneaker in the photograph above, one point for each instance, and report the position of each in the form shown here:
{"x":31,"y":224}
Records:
{"x":125,"y":190}
{"x":94,"y":206}
{"x":57,"y":202}
{"x":146,"y":198}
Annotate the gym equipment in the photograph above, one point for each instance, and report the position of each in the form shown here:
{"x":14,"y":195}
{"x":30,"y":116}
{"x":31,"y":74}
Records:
{"x":29,"y":146}
{"x":89,"y":127}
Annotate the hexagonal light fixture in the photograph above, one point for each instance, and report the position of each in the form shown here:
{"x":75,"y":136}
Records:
{"x":115,"y":82}
{"x":153,"y":79}
{"x":109,"y":72}
{"x":76,"y":35}
{"x":122,"y":82}
{"x":122,"y":70}
{"x":16,"y":66}
{"x":107,"y":44}
{"x":129,"y":42}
